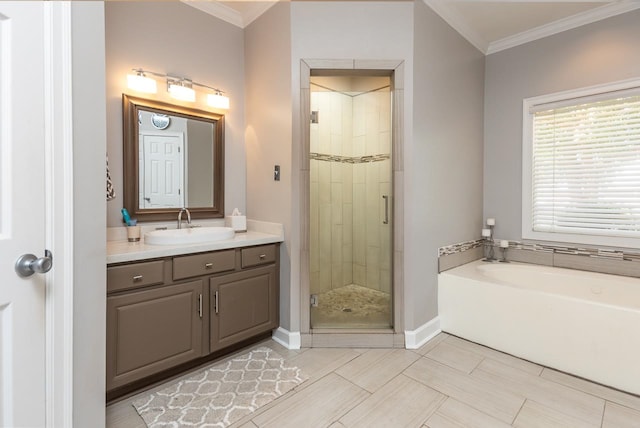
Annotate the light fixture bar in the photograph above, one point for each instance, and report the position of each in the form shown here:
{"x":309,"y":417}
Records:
{"x":178,"y":87}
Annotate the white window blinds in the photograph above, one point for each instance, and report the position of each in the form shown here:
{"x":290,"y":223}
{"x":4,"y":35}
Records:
{"x":586,"y":168}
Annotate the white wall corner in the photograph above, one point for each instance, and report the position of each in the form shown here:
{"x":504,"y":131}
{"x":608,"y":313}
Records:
{"x":414,"y":339}
{"x":288,"y":339}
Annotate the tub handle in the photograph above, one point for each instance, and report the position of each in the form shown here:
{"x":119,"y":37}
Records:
{"x":386,"y":209}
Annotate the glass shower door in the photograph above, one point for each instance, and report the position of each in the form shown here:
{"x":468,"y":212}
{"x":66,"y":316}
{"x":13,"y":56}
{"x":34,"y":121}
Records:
{"x":351,"y":203}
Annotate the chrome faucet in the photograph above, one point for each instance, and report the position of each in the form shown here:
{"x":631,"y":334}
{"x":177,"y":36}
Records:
{"x":183,"y":210}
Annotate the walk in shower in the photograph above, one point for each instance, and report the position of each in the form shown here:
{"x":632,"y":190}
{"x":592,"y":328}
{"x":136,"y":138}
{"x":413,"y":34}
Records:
{"x":351,"y":202}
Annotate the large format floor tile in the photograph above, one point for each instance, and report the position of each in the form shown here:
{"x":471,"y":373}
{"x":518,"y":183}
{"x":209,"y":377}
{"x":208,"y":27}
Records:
{"x":455,"y":414}
{"x":455,"y":357}
{"x":609,"y":394}
{"x":506,"y":359}
{"x":535,"y":414}
{"x":485,"y":396}
{"x":447,"y":383}
{"x":616,"y":416}
{"x":582,"y":406}
{"x":381,"y":408}
{"x":376,"y":367}
{"x":316,"y":406}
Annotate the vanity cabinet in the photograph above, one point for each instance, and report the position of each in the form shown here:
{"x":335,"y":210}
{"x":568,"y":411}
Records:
{"x":168,"y":312}
{"x":152,"y":330}
{"x":242,"y":305}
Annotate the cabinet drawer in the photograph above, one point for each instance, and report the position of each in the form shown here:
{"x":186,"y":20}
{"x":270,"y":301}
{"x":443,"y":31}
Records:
{"x":255,"y":256}
{"x":203,"y":264}
{"x":135,"y":275}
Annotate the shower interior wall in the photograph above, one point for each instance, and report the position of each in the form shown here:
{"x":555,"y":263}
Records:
{"x":349,"y":242}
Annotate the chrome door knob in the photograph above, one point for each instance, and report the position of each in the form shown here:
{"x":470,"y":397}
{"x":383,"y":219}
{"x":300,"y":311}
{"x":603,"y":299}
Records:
{"x":28,"y":264}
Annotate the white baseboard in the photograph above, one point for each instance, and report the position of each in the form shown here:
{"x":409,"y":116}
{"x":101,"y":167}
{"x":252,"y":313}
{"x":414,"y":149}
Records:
{"x":414,"y":339}
{"x":288,"y":339}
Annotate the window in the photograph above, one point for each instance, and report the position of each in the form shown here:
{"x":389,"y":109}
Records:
{"x":581,"y":166}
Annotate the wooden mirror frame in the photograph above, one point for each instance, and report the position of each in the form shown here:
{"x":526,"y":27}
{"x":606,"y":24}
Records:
{"x":130,"y":107}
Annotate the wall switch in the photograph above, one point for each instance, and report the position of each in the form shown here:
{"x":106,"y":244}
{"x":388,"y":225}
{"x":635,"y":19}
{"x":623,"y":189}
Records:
{"x":276,"y":173}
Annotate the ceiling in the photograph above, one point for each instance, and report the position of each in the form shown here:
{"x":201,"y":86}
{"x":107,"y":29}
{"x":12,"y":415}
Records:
{"x":491,"y":26}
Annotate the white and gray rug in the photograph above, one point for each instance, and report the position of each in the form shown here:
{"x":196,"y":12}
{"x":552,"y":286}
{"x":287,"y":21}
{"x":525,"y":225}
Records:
{"x":222,"y":394}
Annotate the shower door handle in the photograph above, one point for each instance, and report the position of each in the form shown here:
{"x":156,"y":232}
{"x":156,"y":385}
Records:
{"x":386,"y":209}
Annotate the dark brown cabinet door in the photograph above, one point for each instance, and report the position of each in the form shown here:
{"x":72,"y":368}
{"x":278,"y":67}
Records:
{"x":242,"y":305}
{"x":152,"y":330}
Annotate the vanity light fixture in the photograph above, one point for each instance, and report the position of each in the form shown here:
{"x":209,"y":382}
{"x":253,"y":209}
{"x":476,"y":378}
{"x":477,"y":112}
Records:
{"x":178,"y":87}
{"x":181,"y":89}
{"x":141,"y":83}
{"x":218,"y":100}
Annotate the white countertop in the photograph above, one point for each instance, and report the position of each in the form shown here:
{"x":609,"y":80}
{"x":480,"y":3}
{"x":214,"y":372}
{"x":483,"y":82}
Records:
{"x":121,"y":250}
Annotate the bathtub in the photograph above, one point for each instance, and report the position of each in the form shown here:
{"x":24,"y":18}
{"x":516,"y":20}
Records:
{"x":583,"y":323}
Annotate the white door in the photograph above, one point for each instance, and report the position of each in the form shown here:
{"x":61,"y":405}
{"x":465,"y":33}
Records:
{"x":163,"y":171}
{"x":22,"y":213}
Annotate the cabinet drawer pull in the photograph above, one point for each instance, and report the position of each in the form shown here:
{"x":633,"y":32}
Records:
{"x":262,"y":256}
{"x":208,"y":265}
{"x":137,"y":278}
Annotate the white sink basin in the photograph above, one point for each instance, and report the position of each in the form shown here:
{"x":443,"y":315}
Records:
{"x":195,"y":235}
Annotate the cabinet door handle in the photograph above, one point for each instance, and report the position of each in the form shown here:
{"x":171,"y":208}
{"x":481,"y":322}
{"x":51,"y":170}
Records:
{"x":215,"y":303}
{"x":137,"y":278}
{"x":200,"y":305}
{"x":208,"y":265}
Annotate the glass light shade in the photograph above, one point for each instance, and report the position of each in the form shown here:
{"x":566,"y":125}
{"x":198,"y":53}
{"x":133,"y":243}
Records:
{"x":141,"y":83}
{"x":218,"y":101}
{"x":182,"y":93}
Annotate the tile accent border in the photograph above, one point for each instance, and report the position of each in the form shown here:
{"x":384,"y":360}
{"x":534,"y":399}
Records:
{"x":602,"y":260}
{"x":349,"y":159}
{"x":460,"y":247}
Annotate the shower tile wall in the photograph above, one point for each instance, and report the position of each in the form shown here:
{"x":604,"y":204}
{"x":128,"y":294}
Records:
{"x":346,"y":198}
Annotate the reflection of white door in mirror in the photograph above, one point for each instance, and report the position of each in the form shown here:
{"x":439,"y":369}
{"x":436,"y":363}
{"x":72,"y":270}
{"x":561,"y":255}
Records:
{"x":163,"y":180}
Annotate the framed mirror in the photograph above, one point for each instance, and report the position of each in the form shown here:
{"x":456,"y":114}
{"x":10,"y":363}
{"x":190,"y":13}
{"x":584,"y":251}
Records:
{"x":173,"y":158}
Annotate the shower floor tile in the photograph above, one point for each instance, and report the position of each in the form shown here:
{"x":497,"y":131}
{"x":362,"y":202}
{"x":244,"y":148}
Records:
{"x":352,"y":306}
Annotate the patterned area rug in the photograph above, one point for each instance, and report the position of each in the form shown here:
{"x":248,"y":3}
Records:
{"x":222,"y":394}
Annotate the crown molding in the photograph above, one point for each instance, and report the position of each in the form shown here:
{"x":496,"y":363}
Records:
{"x":218,"y":10}
{"x":443,"y":9}
{"x":229,"y":14}
{"x":257,"y":9}
{"x":451,"y":17}
{"x":564,"y":24}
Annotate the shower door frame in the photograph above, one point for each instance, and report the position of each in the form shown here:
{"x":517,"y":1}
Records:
{"x":395,"y":70}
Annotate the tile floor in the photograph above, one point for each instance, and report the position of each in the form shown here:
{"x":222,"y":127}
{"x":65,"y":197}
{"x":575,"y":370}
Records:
{"x":449,"y":382}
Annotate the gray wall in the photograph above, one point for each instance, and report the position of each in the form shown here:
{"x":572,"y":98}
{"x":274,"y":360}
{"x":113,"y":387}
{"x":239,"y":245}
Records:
{"x":172,"y":37}
{"x":447,"y":138}
{"x":268,"y":132}
{"x":443,"y":169}
{"x":597,"y":53}
{"x":343,"y":30}
{"x":200,"y":156}
{"x":89,"y":233}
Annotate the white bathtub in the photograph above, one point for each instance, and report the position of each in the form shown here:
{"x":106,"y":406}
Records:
{"x":583,"y":323}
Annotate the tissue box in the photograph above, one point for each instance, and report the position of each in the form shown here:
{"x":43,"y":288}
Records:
{"x":237,"y":222}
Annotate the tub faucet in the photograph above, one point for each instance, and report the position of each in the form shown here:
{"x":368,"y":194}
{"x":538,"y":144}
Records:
{"x":182,"y":210}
